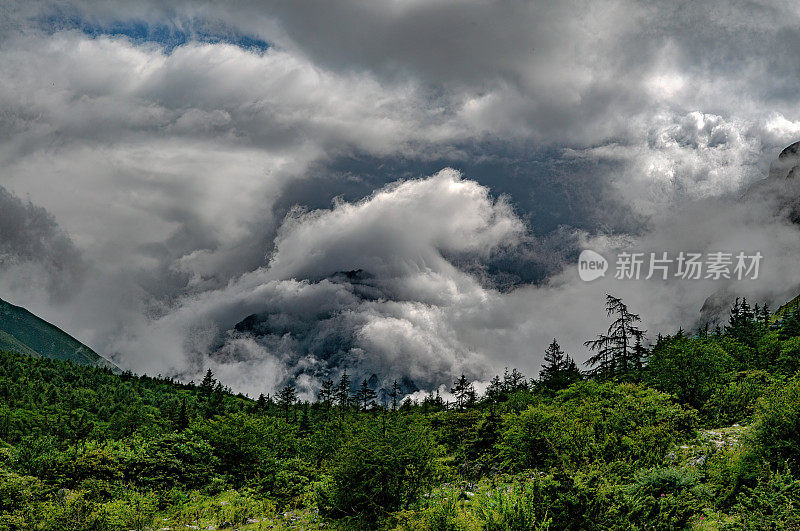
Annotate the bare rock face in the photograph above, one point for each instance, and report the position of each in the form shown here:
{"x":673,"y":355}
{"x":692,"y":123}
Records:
{"x":781,"y":188}
{"x":785,"y":174}
{"x":787,"y":166}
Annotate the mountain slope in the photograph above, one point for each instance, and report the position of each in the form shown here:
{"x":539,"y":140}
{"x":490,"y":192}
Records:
{"x":23,"y":332}
{"x":786,"y":308}
{"x":782,"y":185}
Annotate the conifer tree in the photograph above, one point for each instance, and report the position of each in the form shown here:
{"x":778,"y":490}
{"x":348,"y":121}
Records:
{"x":640,"y":353}
{"x":207,"y":385}
{"x":558,"y":370}
{"x":554,"y":359}
{"x":742,"y":324}
{"x":513,"y":381}
{"x":342,"y":394}
{"x":394,"y":394}
{"x":765,"y":316}
{"x":183,"y":416}
{"x":365,"y":396}
{"x":439,"y":401}
{"x":286,"y":398}
{"x":261,"y":404}
{"x":791,"y":326}
{"x":495,"y":389}
{"x":215,"y":404}
{"x":304,"y":426}
{"x":472,"y":396}
{"x":617,"y":354}
{"x":487,"y":434}
{"x":326,"y":392}
{"x":462,"y":390}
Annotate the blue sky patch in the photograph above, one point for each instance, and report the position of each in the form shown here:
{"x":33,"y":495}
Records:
{"x":168,"y":36}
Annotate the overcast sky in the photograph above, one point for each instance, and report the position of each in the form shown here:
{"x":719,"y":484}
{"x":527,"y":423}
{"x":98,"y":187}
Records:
{"x":168,"y":169}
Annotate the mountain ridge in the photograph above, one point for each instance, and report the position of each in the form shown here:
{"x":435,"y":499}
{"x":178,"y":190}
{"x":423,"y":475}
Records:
{"x":22,"y":331}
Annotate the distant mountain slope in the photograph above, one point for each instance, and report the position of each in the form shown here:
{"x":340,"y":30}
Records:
{"x":786,"y":308}
{"x":23,"y":332}
{"x":783,"y":183}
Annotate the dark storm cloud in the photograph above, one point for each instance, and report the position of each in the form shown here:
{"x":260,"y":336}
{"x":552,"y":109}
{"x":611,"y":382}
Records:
{"x":31,"y":238}
{"x":553,"y":195}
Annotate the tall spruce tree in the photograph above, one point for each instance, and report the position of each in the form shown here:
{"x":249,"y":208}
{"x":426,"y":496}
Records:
{"x":791,"y":326}
{"x":260,"y":406}
{"x":617,"y":353}
{"x":743,"y":324}
{"x":342,"y":394}
{"x":216,"y":402}
{"x":495,"y":390}
{"x":558,"y":370}
{"x":513,"y":381}
{"x":463,"y":390}
{"x":183,"y":416}
{"x":287,"y":396}
{"x":394,"y":395}
{"x":326,"y":392}
{"x":207,"y":385}
{"x":305,"y":425}
{"x":365,"y":396}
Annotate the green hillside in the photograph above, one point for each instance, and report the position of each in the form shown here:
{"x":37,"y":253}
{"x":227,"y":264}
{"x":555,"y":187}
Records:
{"x":786,"y":308}
{"x":23,"y":332}
{"x":699,"y":432}
{"x":702,"y":434}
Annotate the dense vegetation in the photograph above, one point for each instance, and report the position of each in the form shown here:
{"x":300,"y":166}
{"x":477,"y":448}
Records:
{"x":700,"y":431}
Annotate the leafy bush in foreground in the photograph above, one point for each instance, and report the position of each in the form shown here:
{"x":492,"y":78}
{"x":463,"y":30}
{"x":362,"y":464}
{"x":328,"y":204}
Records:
{"x":383,"y":468}
{"x":593,"y":421}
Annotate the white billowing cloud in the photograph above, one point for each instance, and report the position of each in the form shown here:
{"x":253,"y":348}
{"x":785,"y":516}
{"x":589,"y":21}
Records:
{"x":404,"y":228}
{"x":164,"y":169}
{"x":671,"y":159}
{"x":412,"y":313}
{"x":208,"y":129}
{"x":399,"y":237}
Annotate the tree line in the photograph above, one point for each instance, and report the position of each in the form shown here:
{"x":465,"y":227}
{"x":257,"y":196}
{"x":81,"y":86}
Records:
{"x":629,"y":442}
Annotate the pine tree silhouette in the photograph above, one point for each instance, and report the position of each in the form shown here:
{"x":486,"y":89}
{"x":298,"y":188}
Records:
{"x":462,"y":390}
{"x":365,"y":396}
{"x":617,"y":351}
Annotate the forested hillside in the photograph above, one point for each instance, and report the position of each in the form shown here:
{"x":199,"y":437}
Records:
{"x":699,"y":431}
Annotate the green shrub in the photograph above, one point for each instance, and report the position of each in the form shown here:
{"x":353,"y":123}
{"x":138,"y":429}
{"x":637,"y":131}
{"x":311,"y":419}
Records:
{"x":789,"y":357}
{"x":72,"y":511}
{"x":246,"y":447}
{"x":380,"y":470}
{"x":446,"y":512}
{"x":691,"y":369}
{"x":728,"y":472}
{"x":20,"y":497}
{"x":132,"y":510}
{"x":735,"y":402}
{"x":665,"y":498}
{"x":229,"y":508}
{"x":516,"y":506}
{"x":594,"y":422}
{"x":777,"y":425}
{"x":772,"y":503}
{"x":531,"y":438}
{"x":173,"y":459}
